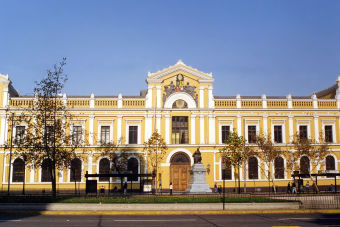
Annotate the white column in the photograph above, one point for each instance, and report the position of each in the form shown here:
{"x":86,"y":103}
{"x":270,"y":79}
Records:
{"x":92,"y":101}
{"x":201,"y":97}
{"x":64,"y":99}
{"x":120,"y":101}
{"x":290,"y":102}
{"x":158,"y":99}
{"x":212,"y":129}
{"x":167,"y":128}
{"x":148,"y":126}
{"x":61,"y":176}
{"x":119,"y":129}
{"x":202,"y":129}
{"x":3,"y":129}
{"x":265,"y":125}
{"x":63,"y":123}
{"x":5,"y":167}
{"x":158,"y":122}
{"x":91,"y":130}
{"x":32,"y":174}
{"x":316,"y":128}
{"x":315,"y":101}
{"x":148,"y":98}
{"x":5,"y":97}
{"x":239,"y":125}
{"x":89,"y":163}
{"x":264,"y":101}
{"x":34,"y":125}
{"x":211,"y":103}
{"x":6,"y":130}
{"x":238,"y":101}
{"x":193,"y":124}
{"x":291,"y":130}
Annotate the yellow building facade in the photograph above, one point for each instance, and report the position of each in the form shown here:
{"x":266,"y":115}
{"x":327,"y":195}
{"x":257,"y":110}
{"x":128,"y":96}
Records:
{"x":179,"y":103}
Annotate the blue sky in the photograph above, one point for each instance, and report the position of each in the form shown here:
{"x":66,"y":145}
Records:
{"x":251,"y":47}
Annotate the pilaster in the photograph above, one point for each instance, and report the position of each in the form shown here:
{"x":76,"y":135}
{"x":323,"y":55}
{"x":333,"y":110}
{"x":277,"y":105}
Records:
{"x":291,"y":130}
{"x":91,"y":125}
{"x":201,"y":97}
{"x":316,"y":128}
{"x":193,"y":128}
{"x":202,"y":129}
{"x":119,"y":128}
{"x":212,"y":129}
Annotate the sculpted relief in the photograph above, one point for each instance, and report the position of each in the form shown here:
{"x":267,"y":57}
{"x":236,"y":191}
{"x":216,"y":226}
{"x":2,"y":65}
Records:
{"x":179,"y":86}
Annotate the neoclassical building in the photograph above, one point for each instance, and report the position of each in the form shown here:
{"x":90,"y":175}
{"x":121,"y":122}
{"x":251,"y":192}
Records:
{"x":180,"y":104}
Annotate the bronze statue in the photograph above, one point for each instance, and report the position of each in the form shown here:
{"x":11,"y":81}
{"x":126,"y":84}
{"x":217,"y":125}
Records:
{"x":197,"y":156}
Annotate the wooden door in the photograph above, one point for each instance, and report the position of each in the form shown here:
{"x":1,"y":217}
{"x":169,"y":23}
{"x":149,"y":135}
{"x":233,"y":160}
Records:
{"x":180,"y":176}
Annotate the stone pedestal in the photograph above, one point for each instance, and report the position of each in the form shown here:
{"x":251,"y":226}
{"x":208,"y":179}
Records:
{"x":198,"y":182}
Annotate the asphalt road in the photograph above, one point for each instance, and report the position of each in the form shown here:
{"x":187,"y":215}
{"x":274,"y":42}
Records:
{"x":310,"y":220}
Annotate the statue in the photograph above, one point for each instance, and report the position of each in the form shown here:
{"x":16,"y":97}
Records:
{"x":197,"y":156}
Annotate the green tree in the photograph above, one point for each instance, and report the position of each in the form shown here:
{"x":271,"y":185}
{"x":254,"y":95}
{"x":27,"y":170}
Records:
{"x":155,"y":149}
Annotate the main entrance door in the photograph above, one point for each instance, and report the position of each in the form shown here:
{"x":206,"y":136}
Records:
{"x":180,"y":171}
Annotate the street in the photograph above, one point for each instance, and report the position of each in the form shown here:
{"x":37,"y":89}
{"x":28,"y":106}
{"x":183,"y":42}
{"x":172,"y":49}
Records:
{"x":331,"y":220}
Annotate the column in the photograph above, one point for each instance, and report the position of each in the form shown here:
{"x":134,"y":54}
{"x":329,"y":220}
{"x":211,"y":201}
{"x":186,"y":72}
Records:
{"x":167,"y":128}
{"x":158,"y":100}
{"x":89,"y":162}
{"x":193,"y":128}
{"x":264,"y":101}
{"x":32,"y":174}
{"x":265,"y":125}
{"x":290,"y":102}
{"x":120,"y":101}
{"x":211,"y":103}
{"x":5,"y":97}
{"x":201,"y":97}
{"x":119,"y":129}
{"x":92,"y":101}
{"x":212,"y":129}
{"x":158,"y":122}
{"x":202,"y":129}
{"x":61,"y":176}
{"x":238,"y":101}
{"x":316,"y":128}
{"x":148,"y":98}
{"x":291,"y":130}
{"x":239,"y":125}
{"x":148,"y":126}
{"x":91,"y":130}
{"x":315,"y":101}
{"x":6,"y":130}
{"x":3,"y":129}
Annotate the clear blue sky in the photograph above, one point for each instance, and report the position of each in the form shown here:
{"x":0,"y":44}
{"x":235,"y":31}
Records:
{"x":251,"y":47}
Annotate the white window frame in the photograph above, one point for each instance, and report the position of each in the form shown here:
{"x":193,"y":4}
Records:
{"x":139,"y":167}
{"x":105,"y":123}
{"x":284,"y":168}
{"x":78,"y":123}
{"x":330,"y":123}
{"x":281,"y":123}
{"x":258,"y":169}
{"x":251,"y":123}
{"x":303,"y":123}
{"x":98,"y":161}
{"x":11,"y":177}
{"x":220,"y":171}
{"x":224,"y":122}
{"x":82,"y":172}
{"x":137,"y":123}
{"x":15,"y":132}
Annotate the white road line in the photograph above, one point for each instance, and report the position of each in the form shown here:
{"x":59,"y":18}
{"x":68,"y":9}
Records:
{"x":282,"y":219}
{"x":154,"y":220}
{"x":9,"y":220}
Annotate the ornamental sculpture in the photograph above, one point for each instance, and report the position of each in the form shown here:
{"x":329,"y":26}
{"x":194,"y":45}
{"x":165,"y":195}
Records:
{"x":179,"y":87}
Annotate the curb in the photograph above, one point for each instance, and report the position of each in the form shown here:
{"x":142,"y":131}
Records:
{"x":201,"y":212}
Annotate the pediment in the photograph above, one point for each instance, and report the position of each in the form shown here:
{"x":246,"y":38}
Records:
{"x":180,"y":67}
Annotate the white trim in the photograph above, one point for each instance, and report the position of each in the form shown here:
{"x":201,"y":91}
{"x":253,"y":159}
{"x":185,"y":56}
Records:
{"x":168,"y":159}
{"x":284,"y":168}
{"x":76,"y":123}
{"x":303,"y":123}
{"x":105,"y":123}
{"x":139,"y":167}
{"x":230,"y":124}
{"x":220,"y":171}
{"x":127,"y":130}
{"x":250,"y":122}
{"x":258,"y":169}
{"x":180,"y":95}
{"x":282,"y":123}
{"x":329,"y":123}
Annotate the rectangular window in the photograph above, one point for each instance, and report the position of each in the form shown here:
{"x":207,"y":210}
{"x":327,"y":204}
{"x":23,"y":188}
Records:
{"x":225,"y":133}
{"x":133,"y":134}
{"x":251,"y":133}
{"x":49,"y":133}
{"x":277,"y":133}
{"x":77,"y":134}
{"x":19,"y":134}
{"x":180,"y":131}
{"x":303,"y":134}
{"x":105,"y":134}
{"x":329,"y":133}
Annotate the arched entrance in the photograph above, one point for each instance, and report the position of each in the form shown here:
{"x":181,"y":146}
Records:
{"x":180,"y":171}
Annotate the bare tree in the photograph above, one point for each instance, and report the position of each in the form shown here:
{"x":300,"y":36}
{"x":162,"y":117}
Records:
{"x":155,"y":148}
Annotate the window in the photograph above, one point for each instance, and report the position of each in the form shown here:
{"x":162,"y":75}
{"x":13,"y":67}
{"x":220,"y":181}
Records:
{"x":18,"y":170}
{"x":328,"y":133}
{"x":46,"y":170}
{"x":303,"y":133}
{"x":105,"y":134}
{"x":180,"y":132}
{"x":277,"y":133}
{"x":104,"y":167}
{"x":49,"y":133}
{"x":279,"y":168}
{"x":251,"y":133}
{"x":226,"y":172}
{"x":133,"y":134}
{"x":304,"y":165}
{"x":132,"y":165}
{"x":77,"y":134}
{"x":75,"y":171}
{"x":330,"y":163}
{"x":253,"y":168}
{"x":19,"y":134}
{"x":225,"y":133}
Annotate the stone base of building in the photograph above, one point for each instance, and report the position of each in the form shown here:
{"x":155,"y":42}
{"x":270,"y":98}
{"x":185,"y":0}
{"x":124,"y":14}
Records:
{"x":198,"y":183}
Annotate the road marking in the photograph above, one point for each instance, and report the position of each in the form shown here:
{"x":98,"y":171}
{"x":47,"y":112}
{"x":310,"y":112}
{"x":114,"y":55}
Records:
{"x":153,"y":220}
{"x":9,"y":220}
{"x":282,"y":219}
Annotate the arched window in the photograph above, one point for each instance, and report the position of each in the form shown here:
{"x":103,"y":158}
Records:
{"x":104,"y":167}
{"x":304,"y":165}
{"x":330,"y":163}
{"x":253,"y":172}
{"x":18,"y":170}
{"x":46,"y":171}
{"x":132,"y":165}
{"x":75,"y":171}
{"x":279,"y":168}
{"x":226,"y":172}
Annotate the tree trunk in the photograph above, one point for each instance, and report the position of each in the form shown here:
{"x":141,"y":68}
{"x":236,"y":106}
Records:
{"x":53,"y":179}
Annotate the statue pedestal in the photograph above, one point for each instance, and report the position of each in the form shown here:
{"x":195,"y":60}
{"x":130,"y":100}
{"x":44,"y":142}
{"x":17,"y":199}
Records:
{"x":198,"y":182}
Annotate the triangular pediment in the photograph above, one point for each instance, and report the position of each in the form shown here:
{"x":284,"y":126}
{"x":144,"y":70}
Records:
{"x":179,"y":67}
